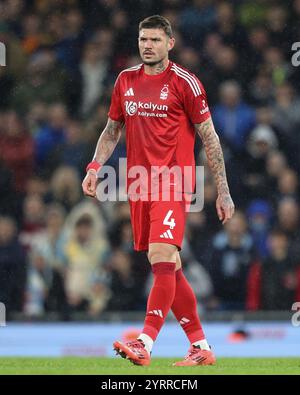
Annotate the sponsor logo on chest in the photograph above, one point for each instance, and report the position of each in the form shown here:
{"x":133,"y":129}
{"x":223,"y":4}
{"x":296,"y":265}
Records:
{"x":147,"y":108}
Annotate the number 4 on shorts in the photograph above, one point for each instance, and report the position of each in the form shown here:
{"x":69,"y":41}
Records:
{"x":168,"y":221}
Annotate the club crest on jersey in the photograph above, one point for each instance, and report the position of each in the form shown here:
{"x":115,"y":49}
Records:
{"x":131,"y":107}
{"x":164,"y":92}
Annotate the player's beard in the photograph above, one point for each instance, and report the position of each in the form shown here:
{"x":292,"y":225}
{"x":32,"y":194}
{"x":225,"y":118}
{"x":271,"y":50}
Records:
{"x":152,"y":63}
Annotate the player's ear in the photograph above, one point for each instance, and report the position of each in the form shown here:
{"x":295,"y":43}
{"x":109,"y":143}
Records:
{"x":171,"y":43}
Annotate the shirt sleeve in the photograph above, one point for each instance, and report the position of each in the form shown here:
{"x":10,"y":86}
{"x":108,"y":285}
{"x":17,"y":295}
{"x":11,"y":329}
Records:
{"x":115,"y":111}
{"x":195,"y":100}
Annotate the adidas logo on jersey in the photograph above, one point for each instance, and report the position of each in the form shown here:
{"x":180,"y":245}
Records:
{"x":167,"y":235}
{"x":156,"y":312}
{"x":129,"y":92}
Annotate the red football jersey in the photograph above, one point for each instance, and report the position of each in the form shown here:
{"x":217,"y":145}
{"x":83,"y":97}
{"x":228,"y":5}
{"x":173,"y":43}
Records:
{"x":159,"y":112}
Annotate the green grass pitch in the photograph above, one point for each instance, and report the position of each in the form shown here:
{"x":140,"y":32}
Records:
{"x":159,"y":366}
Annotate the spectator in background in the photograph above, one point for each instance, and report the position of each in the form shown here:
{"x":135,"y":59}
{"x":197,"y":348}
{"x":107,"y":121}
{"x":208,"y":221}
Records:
{"x":126,"y":291}
{"x":65,"y":187}
{"x":229,"y":28}
{"x":121,"y":27}
{"x":252,"y":14}
{"x":259,"y":41}
{"x":195,"y":20}
{"x":285,"y":111}
{"x":277,"y":66}
{"x":16,"y":150}
{"x":278,"y":26}
{"x":46,"y":290}
{"x":94,"y":68}
{"x":121,"y":239}
{"x":73,"y":152}
{"x":199,"y":236}
{"x":12,"y":14}
{"x":13,"y":50}
{"x":51,"y":136}
{"x":259,"y":215}
{"x":9,"y":205}
{"x":226,"y":66}
{"x":286,"y":117}
{"x":288,"y":184}
{"x":232,"y":256}
{"x":44,"y":81}
{"x":68,"y":44}
{"x":288,"y":222}
{"x":121,"y":235}
{"x":12,"y":267}
{"x":190,"y":58}
{"x":37,"y":185}
{"x":33,"y":222}
{"x":233,"y":118}
{"x":261,"y":89}
{"x":99,"y":295}
{"x":95,"y":123}
{"x":36,"y":118}
{"x":85,"y":256}
{"x":280,"y":278}
{"x":276,"y":163}
{"x":51,"y":242}
{"x":295,"y":17}
{"x":262,"y":140}
{"x":32,"y":38}
{"x":6,"y":86}
{"x":39,"y":280}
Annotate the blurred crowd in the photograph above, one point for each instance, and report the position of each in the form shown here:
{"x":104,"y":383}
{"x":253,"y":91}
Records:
{"x":61,"y":252}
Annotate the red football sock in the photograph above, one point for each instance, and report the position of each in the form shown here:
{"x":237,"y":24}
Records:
{"x":184,"y":308}
{"x":160,"y":298}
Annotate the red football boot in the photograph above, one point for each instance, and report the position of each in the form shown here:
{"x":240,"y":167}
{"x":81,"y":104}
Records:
{"x":196,"y":356}
{"x":134,"y":351}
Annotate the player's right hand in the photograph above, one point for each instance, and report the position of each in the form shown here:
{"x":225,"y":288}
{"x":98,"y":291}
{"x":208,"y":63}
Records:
{"x":89,"y":184}
{"x":225,"y":207}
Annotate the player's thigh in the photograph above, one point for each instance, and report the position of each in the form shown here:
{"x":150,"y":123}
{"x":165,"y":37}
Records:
{"x":140,"y":220}
{"x":167,"y":222}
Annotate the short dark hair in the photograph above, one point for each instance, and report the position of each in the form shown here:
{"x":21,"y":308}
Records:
{"x":157,"y":22}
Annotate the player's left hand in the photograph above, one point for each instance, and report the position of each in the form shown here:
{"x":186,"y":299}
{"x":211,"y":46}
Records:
{"x":225,"y":207}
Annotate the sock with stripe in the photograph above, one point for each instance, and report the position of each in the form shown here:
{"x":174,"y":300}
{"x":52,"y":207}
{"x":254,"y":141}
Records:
{"x":160,"y":298}
{"x":184,"y":308}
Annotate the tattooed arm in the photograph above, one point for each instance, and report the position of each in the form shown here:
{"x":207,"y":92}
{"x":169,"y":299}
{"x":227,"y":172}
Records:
{"x":108,"y":141}
{"x":211,"y":142}
{"x":105,"y":146}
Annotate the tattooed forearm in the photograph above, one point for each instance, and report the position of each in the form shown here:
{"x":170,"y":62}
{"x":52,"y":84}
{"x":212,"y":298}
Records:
{"x":108,"y":141}
{"x":214,"y":154}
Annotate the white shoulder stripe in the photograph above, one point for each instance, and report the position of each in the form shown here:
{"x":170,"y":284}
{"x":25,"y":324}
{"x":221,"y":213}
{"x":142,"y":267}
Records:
{"x":188,"y":77}
{"x":196,"y":83}
{"x":133,"y":68}
{"x":187,"y":80}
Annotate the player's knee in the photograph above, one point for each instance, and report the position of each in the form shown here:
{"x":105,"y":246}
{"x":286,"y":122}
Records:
{"x":162,"y":253}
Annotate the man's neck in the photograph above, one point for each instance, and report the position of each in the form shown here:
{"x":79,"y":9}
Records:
{"x":157,"y":68}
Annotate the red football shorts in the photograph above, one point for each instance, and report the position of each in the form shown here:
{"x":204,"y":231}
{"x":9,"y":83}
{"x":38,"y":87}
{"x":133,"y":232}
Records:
{"x":158,"y":222}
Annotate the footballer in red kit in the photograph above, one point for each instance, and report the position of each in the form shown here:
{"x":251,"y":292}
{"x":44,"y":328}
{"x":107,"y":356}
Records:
{"x":159,"y":112}
{"x":162,"y":106}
